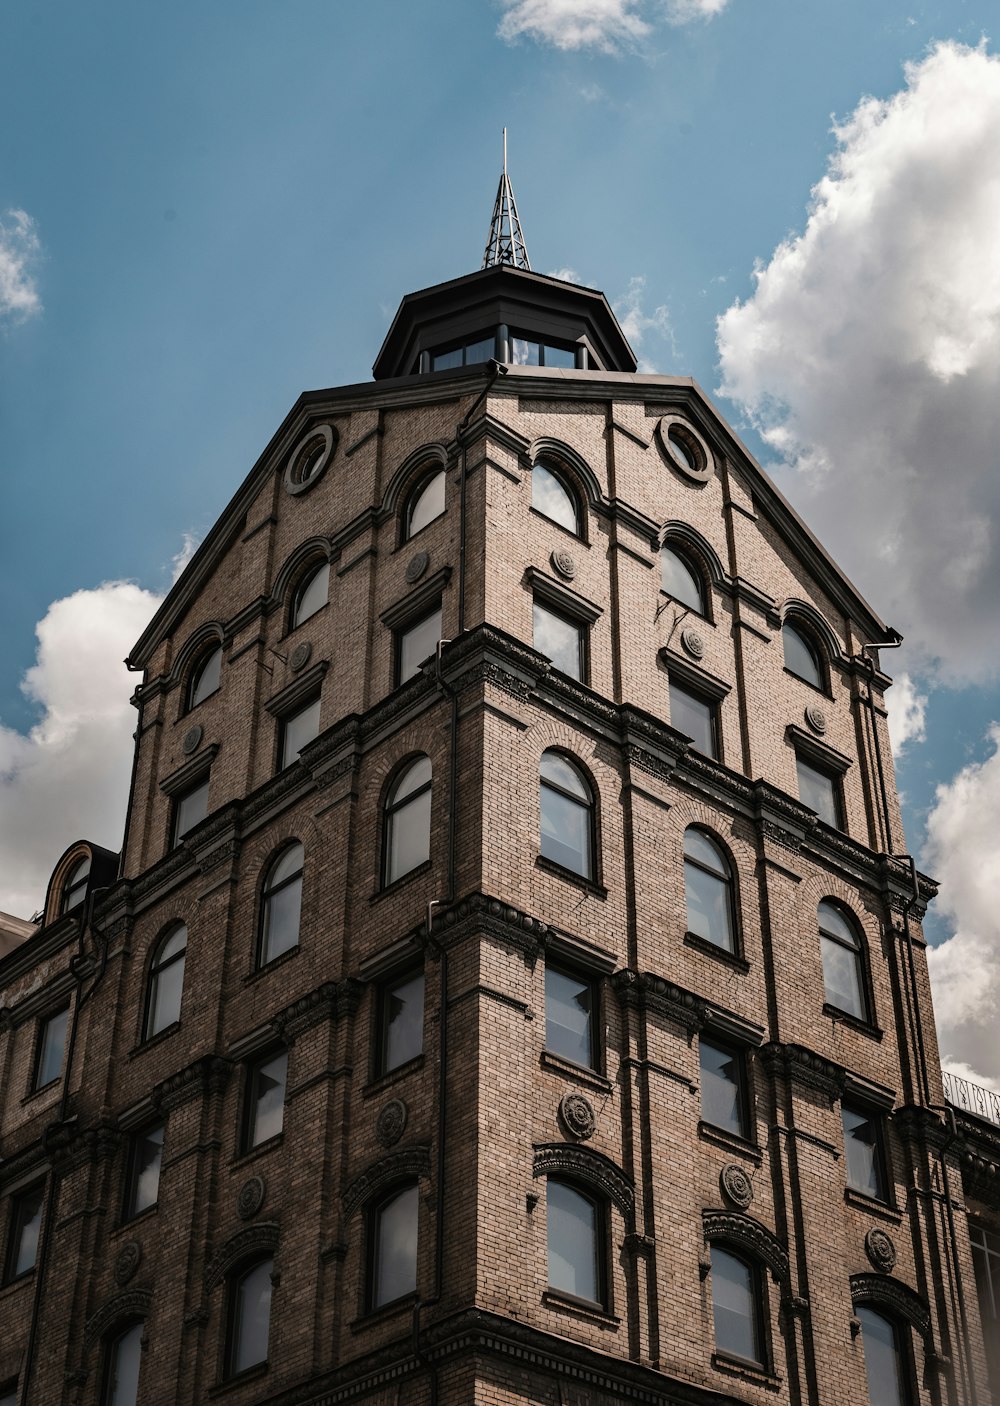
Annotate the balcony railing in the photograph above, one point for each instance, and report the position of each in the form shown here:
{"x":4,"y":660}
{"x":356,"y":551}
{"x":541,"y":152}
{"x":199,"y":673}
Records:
{"x":963,"y":1093}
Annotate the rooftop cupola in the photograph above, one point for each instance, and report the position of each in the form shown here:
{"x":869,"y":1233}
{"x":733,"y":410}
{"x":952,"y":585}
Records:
{"x":503,"y":313}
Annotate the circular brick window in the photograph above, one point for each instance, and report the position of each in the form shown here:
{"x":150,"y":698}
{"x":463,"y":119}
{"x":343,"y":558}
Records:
{"x":309,"y":459}
{"x":685,"y":448}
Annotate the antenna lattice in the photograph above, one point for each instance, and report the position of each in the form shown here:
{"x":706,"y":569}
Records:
{"x":505,"y":244}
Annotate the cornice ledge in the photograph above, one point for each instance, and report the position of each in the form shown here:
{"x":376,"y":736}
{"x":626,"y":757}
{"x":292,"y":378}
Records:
{"x":331,"y":1001}
{"x":287,"y":699}
{"x":180,"y":779}
{"x":811,"y":1070}
{"x":654,"y":993}
{"x":485,"y":913}
{"x":335,"y":752}
{"x":921,"y":1126}
{"x":489,"y":426}
{"x":785,"y":821}
{"x":488,"y":655}
{"x":210,"y":1074}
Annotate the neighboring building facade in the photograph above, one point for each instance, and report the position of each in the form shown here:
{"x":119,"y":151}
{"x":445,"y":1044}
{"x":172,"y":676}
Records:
{"x":506,"y":993}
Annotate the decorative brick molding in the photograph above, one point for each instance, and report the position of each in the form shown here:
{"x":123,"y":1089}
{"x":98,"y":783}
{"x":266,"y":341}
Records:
{"x":586,"y":1165}
{"x":898,"y":1298}
{"x":745,"y":1233}
{"x":396,"y":1166}
{"x":208,"y":1075}
{"x":133,"y":1303}
{"x":257,"y":1240}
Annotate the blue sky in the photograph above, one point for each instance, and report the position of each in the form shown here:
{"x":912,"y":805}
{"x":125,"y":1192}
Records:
{"x":207,"y":208}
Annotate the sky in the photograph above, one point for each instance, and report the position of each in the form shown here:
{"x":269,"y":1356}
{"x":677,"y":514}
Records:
{"x":207,"y":208}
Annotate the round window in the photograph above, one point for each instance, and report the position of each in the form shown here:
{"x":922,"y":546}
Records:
{"x":309,"y":458}
{"x":686,"y":449}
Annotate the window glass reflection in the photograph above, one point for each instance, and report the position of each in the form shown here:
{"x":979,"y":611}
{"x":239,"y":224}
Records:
{"x":395,"y":1248}
{"x":883,"y":1367}
{"x":569,"y":1016}
{"x":574,"y":1264}
{"x":75,"y":887}
{"x":282,"y":900}
{"x":26,"y":1223}
{"x":52,"y":1042}
{"x":206,"y":678}
{"x":818,"y":791}
{"x":566,"y":822}
{"x":402,"y":1021}
{"x":840,"y":948}
{"x":427,"y":503}
{"x":801,"y":658}
{"x":551,"y":498}
{"x":734,"y":1308}
{"x":862,"y":1146}
{"x":313,"y":594}
{"x":680,"y":581}
{"x":251,"y":1317}
{"x":166,"y":983}
{"x":418,"y":643}
{"x":708,"y":891}
{"x":123,"y":1368}
{"x":722,"y":1100}
{"x":191,"y":809}
{"x":560,"y":639}
{"x":408,"y":822}
{"x":694,"y":717}
{"x":144,"y":1181}
{"x":298,"y":730}
{"x":267,"y":1107}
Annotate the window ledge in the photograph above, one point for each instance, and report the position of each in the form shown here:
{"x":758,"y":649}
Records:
{"x":272,"y":965}
{"x":583,"y":1308}
{"x":571,"y":876}
{"x":396,"y":884}
{"x":719,"y":954}
{"x":571,"y":1070}
{"x":133,"y":1221}
{"x":823,"y":692}
{"x":156,"y":1039}
{"x":385,"y":1081}
{"x":732,"y":1142}
{"x":582,"y":541}
{"x":48,"y":1088}
{"x":249,"y":1374}
{"x":749,"y":1371}
{"x":372,"y":1316}
{"x":259,"y":1151}
{"x":9,"y":1287}
{"x":695,"y":614}
{"x":873,"y":1205}
{"x":854,"y":1022}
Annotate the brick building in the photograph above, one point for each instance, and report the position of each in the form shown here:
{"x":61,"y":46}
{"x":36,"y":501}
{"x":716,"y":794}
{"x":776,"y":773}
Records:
{"x":510,"y":988}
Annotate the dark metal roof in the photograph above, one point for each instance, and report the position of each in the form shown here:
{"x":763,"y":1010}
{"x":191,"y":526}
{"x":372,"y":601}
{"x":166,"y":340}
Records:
{"x":526,"y":302}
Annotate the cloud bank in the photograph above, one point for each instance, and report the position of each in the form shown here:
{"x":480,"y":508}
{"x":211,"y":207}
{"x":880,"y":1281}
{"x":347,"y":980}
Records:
{"x":869,"y":355}
{"x":907,"y":713}
{"x":609,"y":26}
{"x":20,"y":251}
{"x":963,"y":851}
{"x":68,"y":778}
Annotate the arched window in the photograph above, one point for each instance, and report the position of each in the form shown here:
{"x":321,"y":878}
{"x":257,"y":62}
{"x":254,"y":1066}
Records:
{"x":75,"y":885}
{"x":680,"y":580}
{"x":249,"y":1318}
{"x":281,"y":905}
{"x":840,"y":946}
{"x":577,"y":1237}
{"x":801,"y":655}
{"x":736,"y":1307}
{"x":553,"y":498}
{"x":121,"y":1372}
{"x":312,"y":594}
{"x":567,"y":810}
{"x":392,"y":1258}
{"x":884,"y":1361}
{"x":205,"y":677}
{"x":708,"y":889}
{"x":406,"y":840}
{"x":426,"y":503}
{"x":166,"y":982}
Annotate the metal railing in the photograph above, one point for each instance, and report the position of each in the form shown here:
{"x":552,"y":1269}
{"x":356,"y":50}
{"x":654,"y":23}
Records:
{"x":973,"y":1098}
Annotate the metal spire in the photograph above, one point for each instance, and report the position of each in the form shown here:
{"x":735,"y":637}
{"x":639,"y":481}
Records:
{"x":505,"y":244}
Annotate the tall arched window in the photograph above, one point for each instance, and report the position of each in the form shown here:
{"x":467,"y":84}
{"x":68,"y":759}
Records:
{"x":406,"y":839}
{"x":884,"y":1362}
{"x":708,"y":890}
{"x":392,"y":1257}
{"x":553,"y":498}
{"x":576,"y":1236}
{"x":312,"y":594}
{"x":206,"y":677}
{"x":840,"y":946}
{"x":426,"y":503}
{"x":680,"y":580}
{"x":281,"y":905}
{"x":166,"y":982}
{"x":74,"y":889}
{"x":801,"y":655}
{"x":736,"y":1307}
{"x":249,"y":1318}
{"x":121,"y":1372}
{"x":567,"y":811}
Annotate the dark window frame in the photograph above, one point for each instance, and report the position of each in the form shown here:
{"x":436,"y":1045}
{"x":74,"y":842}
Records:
{"x":195,"y":676}
{"x":284,"y":718}
{"x":305,"y":580}
{"x":567,"y":481}
{"x":732,"y":895}
{"x":535,"y":339}
{"x":836,"y":780}
{"x":883,"y":1169}
{"x":602,"y":1245}
{"x":744,"y":1086}
{"x":390,"y":807}
{"x":119,"y":1332}
{"x":761,"y":1310}
{"x":596,"y":1021}
{"x":813,"y":648}
{"x":464,"y":345}
{"x":41,"y":1031}
{"x":862,"y":964}
{"x":203,"y":781}
{"x":383,"y":994}
{"x":902,"y":1341}
{"x":133,"y":1171}
{"x":235,"y":1279}
{"x":265,"y":895}
{"x":67,"y":903}
{"x":410,"y":624}
{"x":707,"y":701}
{"x":152,"y":972}
{"x":593,"y":878}
{"x":17,"y":1222}
{"x":251,"y":1098}
{"x":540,"y":601}
{"x":686,"y":556}
{"x":373,"y":1214}
{"x":421,"y":481}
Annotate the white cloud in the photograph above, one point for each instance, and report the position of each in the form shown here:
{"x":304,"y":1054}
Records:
{"x":189,"y":545}
{"x":963,"y":852}
{"x":20,"y":250}
{"x":907,"y":713}
{"x":610,"y":26}
{"x":68,"y":778}
{"x":637,"y":324}
{"x":567,"y":275}
{"x":869,"y":357}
